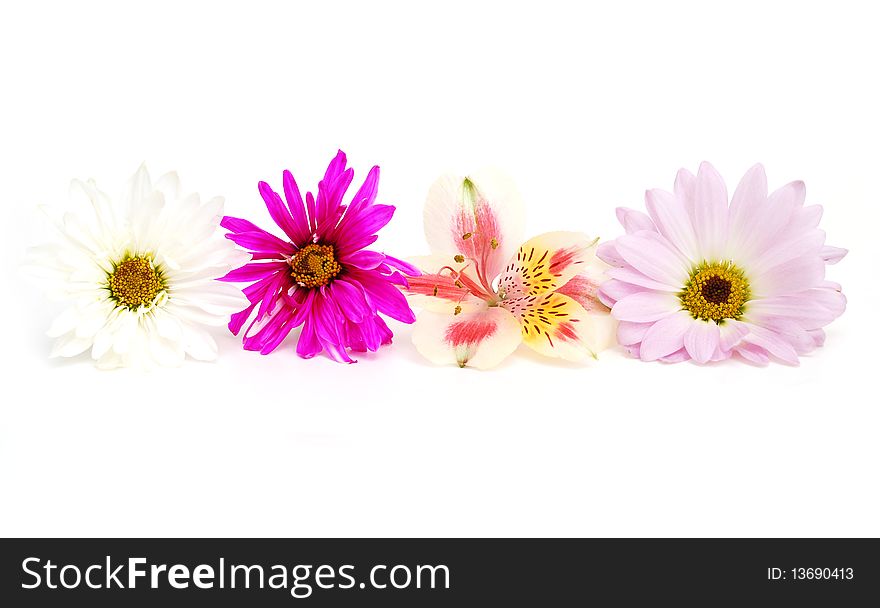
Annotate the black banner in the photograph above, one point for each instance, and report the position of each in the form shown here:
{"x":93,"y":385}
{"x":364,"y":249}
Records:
{"x":438,"y":572}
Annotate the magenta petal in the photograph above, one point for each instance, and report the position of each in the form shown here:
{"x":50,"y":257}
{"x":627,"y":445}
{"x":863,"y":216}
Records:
{"x":252,"y":271}
{"x":366,"y":194}
{"x":279,"y":212}
{"x":370,"y":330}
{"x":363,"y":198}
{"x":354,"y":338}
{"x":280,"y":331}
{"x":386,"y":298}
{"x":337,"y":352}
{"x":312,"y":212}
{"x":327,"y":318}
{"x":336,"y":167}
{"x":270,"y":335}
{"x":368,"y":223}
{"x":297,"y":208}
{"x":329,"y":206}
{"x":350,"y":300}
{"x":352,"y":246}
{"x":236,"y":224}
{"x":270,"y":298}
{"x":261,"y":241}
{"x":385,"y":333}
{"x":239,"y":318}
{"x":363,"y":259}
{"x":404,"y":267}
{"x":308,"y":344}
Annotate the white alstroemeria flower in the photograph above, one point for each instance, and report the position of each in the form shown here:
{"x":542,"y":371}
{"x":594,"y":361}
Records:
{"x":484,"y":291}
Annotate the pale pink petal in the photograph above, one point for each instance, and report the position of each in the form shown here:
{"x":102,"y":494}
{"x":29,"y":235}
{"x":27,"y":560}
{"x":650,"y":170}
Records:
{"x":672,"y":220}
{"x":773,"y":343}
{"x":653,"y":257}
{"x":771,"y":223}
{"x":631,"y":333}
{"x":789,"y":277}
{"x":731,"y":333}
{"x":832,"y":255}
{"x":666,"y":336}
{"x":677,"y":357}
{"x":607,"y":252}
{"x":753,"y":354}
{"x":710,"y":212}
{"x":685,"y":189}
{"x":803,"y":308}
{"x":613,"y":290}
{"x":746,"y":207}
{"x":633,"y":221}
{"x":634,"y":277}
{"x":646,"y":306}
{"x":701,"y":340}
{"x":806,"y":245}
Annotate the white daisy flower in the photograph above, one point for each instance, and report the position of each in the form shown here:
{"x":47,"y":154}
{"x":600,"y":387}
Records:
{"x":139,"y":274}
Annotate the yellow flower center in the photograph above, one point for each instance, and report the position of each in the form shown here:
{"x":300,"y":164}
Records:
{"x":716,"y":291}
{"x":135,"y":282}
{"x":314,"y":265}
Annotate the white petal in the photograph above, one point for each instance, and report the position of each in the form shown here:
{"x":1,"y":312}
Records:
{"x":69,"y":345}
{"x":198,"y":343}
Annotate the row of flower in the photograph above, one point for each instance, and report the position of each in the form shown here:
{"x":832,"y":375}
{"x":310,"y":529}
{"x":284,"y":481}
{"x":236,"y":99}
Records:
{"x":698,"y":277}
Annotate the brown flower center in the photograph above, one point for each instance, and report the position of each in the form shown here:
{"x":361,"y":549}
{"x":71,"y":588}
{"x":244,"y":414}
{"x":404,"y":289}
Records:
{"x":716,"y":291}
{"x":314,"y":265}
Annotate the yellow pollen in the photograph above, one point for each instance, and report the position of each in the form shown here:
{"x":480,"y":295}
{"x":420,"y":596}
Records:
{"x":314,"y":265}
{"x":457,"y":310}
{"x":716,"y":291}
{"x":135,"y":282}
{"x":467,"y":235}
{"x":459,"y":258}
{"x":494,"y":243}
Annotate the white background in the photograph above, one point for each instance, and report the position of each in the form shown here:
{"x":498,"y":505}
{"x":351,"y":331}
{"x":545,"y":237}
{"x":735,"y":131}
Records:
{"x":587,"y":106}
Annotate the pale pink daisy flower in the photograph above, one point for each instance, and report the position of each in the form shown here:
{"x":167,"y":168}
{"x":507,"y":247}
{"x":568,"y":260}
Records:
{"x":698,"y":278}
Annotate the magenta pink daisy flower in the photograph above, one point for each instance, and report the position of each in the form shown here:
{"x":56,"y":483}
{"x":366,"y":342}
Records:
{"x":698,"y":278}
{"x":320,"y":275}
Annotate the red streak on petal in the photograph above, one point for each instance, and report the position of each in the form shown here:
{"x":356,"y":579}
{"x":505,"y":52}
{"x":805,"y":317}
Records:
{"x":469,"y":332}
{"x":583,"y":291}
{"x":444,"y":284}
{"x":566,"y":331}
{"x":562,"y":259}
